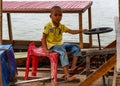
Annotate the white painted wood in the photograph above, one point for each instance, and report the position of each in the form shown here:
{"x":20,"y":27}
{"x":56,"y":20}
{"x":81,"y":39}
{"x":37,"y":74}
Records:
{"x":34,"y":80}
{"x":117,"y":29}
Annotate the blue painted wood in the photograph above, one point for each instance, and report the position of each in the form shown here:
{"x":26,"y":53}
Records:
{"x":8,"y":64}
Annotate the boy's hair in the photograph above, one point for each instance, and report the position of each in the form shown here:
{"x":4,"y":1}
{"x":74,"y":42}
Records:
{"x":55,"y":7}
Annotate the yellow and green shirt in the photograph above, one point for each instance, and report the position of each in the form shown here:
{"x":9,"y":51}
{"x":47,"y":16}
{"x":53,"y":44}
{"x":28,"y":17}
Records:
{"x":54,"y":34}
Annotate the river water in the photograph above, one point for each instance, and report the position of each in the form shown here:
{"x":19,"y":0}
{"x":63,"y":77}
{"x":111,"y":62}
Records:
{"x":29,"y":26}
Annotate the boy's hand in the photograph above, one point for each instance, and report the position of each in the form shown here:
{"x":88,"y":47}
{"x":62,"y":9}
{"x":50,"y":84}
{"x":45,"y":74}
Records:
{"x":48,"y":51}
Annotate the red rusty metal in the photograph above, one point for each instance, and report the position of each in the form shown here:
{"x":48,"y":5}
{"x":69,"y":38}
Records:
{"x":45,"y":6}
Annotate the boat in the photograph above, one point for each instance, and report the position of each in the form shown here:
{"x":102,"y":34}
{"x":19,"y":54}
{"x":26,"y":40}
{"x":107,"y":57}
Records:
{"x":38,"y":7}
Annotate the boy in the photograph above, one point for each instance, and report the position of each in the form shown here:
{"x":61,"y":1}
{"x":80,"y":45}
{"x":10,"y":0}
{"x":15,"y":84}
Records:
{"x":52,"y":40}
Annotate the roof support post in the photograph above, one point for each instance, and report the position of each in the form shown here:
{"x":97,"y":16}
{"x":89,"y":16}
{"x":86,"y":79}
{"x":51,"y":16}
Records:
{"x":0,"y":38}
{"x":90,"y":25}
{"x":80,"y":28}
{"x":9,"y":27}
{"x":0,"y":22}
{"x":119,"y":9}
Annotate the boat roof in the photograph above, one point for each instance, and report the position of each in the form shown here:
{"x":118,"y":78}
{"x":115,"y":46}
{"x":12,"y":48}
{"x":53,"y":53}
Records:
{"x":44,"y":6}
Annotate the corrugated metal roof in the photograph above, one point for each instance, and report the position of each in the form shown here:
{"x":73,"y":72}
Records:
{"x":44,"y":6}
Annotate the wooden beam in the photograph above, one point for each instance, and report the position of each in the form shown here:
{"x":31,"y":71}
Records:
{"x":99,"y":72}
{"x":112,"y":44}
{"x":105,"y":51}
{"x":119,"y":9}
{"x":114,"y":77}
{"x":0,"y":39}
{"x":117,"y":30}
{"x":80,"y":28}
{"x":9,"y":26}
{"x":0,"y":21}
{"x":34,"y":80}
{"x":90,"y":25}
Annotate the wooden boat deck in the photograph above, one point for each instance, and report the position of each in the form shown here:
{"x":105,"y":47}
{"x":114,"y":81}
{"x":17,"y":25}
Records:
{"x":80,"y":76}
{"x":61,"y":82}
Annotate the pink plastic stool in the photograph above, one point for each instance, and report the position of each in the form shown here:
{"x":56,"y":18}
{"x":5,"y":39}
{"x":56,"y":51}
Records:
{"x":34,"y":53}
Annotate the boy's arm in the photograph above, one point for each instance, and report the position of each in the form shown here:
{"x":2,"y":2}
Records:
{"x":76,"y":31}
{"x":44,"y":43}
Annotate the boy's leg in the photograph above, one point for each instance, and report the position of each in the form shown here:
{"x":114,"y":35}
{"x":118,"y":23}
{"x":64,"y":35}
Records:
{"x":75,"y":50}
{"x":65,"y":69}
{"x":67,"y":76}
{"x":64,"y":62}
{"x":62,"y":54}
{"x":74,"y":62}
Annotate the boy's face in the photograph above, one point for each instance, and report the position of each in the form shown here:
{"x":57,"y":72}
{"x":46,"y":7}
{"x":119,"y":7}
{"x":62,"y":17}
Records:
{"x":56,"y":16}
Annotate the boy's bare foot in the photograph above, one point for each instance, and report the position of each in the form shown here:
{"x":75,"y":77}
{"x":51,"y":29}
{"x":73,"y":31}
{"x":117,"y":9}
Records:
{"x":75,"y":71}
{"x":71,"y":71}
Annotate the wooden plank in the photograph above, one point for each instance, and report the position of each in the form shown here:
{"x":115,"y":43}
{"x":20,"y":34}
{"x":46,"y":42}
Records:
{"x":9,"y":26}
{"x":20,"y":55}
{"x":119,"y":9}
{"x":0,"y":21}
{"x":90,"y":25}
{"x":0,"y":38}
{"x":111,"y":45}
{"x":105,"y":51}
{"x":117,"y":80}
{"x":99,"y":72}
{"x":92,"y":53}
{"x":23,"y":44}
{"x":38,"y":69}
{"x":114,"y":77}
{"x":80,"y":28}
{"x":34,"y":80}
{"x":117,"y":29}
